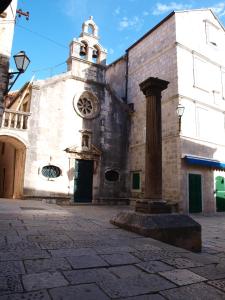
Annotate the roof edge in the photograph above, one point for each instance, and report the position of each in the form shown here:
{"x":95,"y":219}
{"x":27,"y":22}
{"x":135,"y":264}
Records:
{"x":151,"y":30}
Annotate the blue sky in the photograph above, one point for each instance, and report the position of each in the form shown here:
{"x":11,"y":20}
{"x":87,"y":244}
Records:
{"x":54,"y":23}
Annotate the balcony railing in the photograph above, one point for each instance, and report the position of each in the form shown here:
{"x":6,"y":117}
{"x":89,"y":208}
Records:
{"x":12,"y":119}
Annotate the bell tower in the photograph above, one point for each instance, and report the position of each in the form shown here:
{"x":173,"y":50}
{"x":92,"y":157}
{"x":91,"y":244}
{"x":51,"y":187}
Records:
{"x":87,"y":47}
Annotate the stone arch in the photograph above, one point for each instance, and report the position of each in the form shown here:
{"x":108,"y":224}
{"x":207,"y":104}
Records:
{"x":12,"y":166}
{"x":90,"y":24}
{"x":84,"y":45}
{"x":96,"y":49}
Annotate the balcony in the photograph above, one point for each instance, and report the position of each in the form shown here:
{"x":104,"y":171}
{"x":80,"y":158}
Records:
{"x":12,"y":119}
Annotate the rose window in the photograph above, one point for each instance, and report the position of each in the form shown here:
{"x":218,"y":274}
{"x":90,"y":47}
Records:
{"x":85,"y":106}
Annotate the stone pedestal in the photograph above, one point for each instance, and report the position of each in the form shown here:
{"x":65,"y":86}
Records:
{"x":147,"y":206}
{"x":175,"y":229}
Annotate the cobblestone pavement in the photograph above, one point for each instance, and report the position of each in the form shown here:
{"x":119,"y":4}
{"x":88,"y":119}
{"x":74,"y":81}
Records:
{"x":52,"y":252}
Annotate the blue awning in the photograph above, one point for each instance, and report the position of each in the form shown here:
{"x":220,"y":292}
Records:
{"x":204,"y":162}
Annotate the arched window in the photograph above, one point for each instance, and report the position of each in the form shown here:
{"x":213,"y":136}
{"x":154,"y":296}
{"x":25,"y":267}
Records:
{"x":85,"y":141}
{"x":95,"y":55}
{"x":90,"y":29}
{"x":83,"y":50}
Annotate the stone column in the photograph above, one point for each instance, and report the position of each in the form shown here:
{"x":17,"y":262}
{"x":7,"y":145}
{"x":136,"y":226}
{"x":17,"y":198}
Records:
{"x":152,"y":88}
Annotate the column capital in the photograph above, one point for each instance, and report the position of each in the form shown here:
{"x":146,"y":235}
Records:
{"x":153,"y":86}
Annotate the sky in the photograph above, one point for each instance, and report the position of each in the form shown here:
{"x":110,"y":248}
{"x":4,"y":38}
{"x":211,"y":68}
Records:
{"x":52,"y":25}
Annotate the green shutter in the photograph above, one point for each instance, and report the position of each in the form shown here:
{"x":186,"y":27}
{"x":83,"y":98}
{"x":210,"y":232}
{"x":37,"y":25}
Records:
{"x":135,"y":181}
{"x":195,"y":193}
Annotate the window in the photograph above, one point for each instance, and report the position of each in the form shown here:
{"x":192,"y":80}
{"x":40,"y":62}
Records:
{"x":51,"y":171}
{"x":201,"y":74}
{"x":87,"y":106}
{"x":223,"y":83}
{"x":112,"y":175}
{"x":212,"y":34}
{"x":90,"y":29}
{"x":135,"y":181}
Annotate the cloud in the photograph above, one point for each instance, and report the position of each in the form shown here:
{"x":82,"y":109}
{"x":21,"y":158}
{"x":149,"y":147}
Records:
{"x":219,"y":9}
{"x":132,"y":23}
{"x":74,"y":8}
{"x":164,"y":8}
{"x":117,"y":11}
{"x":111,"y":51}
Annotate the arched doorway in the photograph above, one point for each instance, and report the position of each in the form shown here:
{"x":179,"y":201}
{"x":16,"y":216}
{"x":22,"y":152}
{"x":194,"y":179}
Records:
{"x":12,"y":163}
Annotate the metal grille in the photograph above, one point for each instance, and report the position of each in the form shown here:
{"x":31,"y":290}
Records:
{"x":51,"y":171}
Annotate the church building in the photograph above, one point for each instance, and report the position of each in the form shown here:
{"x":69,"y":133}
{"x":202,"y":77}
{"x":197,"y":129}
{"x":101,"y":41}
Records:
{"x":83,"y":136}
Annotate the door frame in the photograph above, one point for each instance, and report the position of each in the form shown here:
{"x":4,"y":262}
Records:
{"x":202,"y":178}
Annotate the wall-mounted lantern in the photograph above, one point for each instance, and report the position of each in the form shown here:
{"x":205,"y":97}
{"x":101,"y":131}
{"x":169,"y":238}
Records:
{"x":22,"y":62}
{"x":180,"y":112}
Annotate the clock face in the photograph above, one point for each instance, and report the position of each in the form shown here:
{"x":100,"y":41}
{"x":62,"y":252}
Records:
{"x":87,"y":106}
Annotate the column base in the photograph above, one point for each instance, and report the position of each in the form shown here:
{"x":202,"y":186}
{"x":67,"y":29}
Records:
{"x":155,"y":206}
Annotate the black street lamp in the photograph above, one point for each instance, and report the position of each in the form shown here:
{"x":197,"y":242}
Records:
{"x":22,"y":62}
{"x":180,"y":112}
{"x":4,"y":4}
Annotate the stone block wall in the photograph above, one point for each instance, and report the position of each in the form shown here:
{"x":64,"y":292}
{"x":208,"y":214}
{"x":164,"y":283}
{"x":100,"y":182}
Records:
{"x":155,"y":56}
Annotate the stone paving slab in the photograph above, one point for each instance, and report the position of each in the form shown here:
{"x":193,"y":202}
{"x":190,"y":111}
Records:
{"x":10,"y":284}
{"x":72,"y":252}
{"x":134,"y":286}
{"x":11,"y":267}
{"x":37,"y":295}
{"x":88,"y":276}
{"x":86,"y":261}
{"x":47,"y":238}
{"x":198,"y":291}
{"x":84,"y":291}
{"x":205,"y":259}
{"x":112,"y":250}
{"x":182,"y":276}
{"x":154,"y":266}
{"x":181,"y":263}
{"x":148,"y":255}
{"x":56,"y":245}
{"x":46,"y":265}
{"x":127,"y":271}
{"x":26,"y":254}
{"x":120,"y":259}
{"x":32,"y":282}
{"x":20,"y":245}
{"x":220,"y":284}
{"x":145,"y":297}
{"x":211,"y":271}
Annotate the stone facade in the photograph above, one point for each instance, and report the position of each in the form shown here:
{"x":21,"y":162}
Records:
{"x":95,"y":114}
{"x":7,"y":21}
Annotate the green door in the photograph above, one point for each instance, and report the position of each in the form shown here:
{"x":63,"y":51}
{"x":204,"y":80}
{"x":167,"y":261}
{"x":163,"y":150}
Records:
{"x":220,"y":193}
{"x":195,"y":193}
{"x":83,"y":180}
